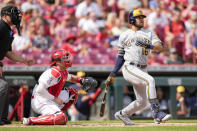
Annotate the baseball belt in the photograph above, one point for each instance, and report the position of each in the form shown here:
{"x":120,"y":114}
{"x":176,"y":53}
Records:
{"x":138,"y":65}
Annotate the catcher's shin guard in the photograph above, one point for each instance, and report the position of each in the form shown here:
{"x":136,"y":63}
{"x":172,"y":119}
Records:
{"x":52,"y":119}
{"x":66,"y":106}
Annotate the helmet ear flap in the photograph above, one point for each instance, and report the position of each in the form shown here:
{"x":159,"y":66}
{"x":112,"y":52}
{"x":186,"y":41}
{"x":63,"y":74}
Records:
{"x":131,"y":18}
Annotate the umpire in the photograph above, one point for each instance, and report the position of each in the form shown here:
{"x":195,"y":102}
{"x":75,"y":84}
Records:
{"x":10,"y":15}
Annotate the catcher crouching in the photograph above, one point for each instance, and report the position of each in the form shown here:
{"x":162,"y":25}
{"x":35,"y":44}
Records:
{"x":49,"y":99}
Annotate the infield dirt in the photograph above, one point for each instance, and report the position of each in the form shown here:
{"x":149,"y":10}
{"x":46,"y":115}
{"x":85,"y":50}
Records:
{"x":107,"y":125}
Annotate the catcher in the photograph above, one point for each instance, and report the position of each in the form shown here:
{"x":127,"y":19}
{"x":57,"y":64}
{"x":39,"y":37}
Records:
{"x":49,"y":99}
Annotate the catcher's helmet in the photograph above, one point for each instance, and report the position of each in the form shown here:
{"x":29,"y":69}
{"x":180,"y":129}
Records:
{"x":62,"y":55}
{"x":133,"y":14}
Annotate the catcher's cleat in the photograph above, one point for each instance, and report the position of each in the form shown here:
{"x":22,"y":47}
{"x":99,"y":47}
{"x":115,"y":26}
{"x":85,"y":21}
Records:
{"x":162,"y":117}
{"x":123,"y":118}
{"x":25,"y":121}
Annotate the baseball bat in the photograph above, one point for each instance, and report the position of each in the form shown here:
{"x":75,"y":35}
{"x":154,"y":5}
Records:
{"x":102,"y":110}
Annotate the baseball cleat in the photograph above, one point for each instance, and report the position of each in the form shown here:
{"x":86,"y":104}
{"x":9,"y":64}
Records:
{"x":125,"y":119}
{"x":162,"y":117}
{"x":25,"y":121}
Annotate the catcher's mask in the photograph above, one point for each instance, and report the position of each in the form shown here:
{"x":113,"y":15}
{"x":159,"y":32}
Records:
{"x":15,"y":15}
{"x":133,"y":14}
{"x":63,"y":56}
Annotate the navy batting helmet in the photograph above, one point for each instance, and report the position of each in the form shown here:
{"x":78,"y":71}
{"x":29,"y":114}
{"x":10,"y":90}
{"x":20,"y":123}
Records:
{"x":133,"y":14}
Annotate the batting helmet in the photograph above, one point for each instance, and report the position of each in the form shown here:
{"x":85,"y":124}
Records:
{"x":62,"y":55}
{"x":133,"y":14}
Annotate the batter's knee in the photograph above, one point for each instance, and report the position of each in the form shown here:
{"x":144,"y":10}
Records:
{"x":142,"y":103}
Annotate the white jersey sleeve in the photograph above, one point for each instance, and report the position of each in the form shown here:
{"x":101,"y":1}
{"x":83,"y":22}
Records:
{"x":121,"y":44}
{"x":154,"y":38}
{"x":46,"y":80}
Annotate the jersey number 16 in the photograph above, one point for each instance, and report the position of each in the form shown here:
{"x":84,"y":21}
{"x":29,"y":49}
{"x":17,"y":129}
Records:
{"x":144,"y":51}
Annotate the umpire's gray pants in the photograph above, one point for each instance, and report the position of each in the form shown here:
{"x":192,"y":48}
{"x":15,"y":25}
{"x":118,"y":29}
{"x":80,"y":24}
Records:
{"x":4,"y":98}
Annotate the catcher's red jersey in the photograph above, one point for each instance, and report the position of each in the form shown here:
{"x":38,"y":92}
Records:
{"x":53,"y":80}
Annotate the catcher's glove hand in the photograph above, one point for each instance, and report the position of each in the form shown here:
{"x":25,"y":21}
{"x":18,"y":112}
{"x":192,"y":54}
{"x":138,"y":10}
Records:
{"x":110,"y":80}
{"x":88,"y":83}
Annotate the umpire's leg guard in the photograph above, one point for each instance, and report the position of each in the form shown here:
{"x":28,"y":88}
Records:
{"x":58,"y":118}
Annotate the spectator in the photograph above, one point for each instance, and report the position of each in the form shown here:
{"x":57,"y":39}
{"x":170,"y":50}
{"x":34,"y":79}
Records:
{"x":63,"y":29}
{"x":174,"y":58}
{"x":69,"y":45}
{"x":111,"y":41}
{"x":111,"y":19}
{"x":175,"y":32}
{"x":28,"y":5}
{"x":83,"y":20}
{"x":21,"y":43}
{"x":191,"y":43}
{"x":83,"y":50}
{"x":40,"y":21}
{"x":102,"y":35}
{"x":91,"y":26}
{"x":191,"y":21}
{"x":193,"y":101}
{"x":153,"y":4}
{"x":31,"y":30}
{"x":41,"y":41}
{"x":182,"y":106}
{"x":126,"y":5}
{"x":87,"y":6}
{"x":118,"y":28}
{"x":162,"y":102}
{"x":154,"y":22}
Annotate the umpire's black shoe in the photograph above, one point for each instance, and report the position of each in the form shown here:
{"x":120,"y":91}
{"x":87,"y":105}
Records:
{"x":1,"y":123}
{"x":6,"y":121}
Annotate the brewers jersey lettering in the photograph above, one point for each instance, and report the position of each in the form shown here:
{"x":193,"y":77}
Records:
{"x":131,"y":51}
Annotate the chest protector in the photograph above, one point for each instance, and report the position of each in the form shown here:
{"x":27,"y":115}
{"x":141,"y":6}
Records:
{"x":56,"y":89}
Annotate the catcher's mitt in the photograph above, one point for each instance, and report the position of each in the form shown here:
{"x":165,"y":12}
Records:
{"x":88,"y":83}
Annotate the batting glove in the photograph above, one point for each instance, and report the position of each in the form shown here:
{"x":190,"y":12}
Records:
{"x":110,"y":80}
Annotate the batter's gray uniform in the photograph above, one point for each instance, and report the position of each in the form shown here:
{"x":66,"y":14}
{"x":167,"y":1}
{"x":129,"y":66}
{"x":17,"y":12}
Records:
{"x":135,"y":67}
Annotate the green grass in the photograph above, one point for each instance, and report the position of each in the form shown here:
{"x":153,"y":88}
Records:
{"x":126,"y":128}
{"x":160,"y":128}
{"x":135,"y":121}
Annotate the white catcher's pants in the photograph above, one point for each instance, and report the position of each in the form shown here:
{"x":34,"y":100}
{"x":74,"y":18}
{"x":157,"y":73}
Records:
{"x":44,"y":106}
{"x":143,"y":85}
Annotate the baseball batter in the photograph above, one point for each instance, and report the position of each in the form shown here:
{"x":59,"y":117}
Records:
{"x":49,"y":99}
{"x":134,"y":47}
